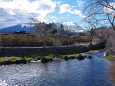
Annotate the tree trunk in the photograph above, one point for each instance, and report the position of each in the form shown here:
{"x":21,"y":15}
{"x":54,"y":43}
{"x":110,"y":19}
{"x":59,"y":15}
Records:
{"x":91,"y":41}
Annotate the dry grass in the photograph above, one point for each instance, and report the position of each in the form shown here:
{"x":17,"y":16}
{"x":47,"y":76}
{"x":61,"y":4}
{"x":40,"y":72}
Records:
{"x":33,"y":40}
{"x":83,"y":39}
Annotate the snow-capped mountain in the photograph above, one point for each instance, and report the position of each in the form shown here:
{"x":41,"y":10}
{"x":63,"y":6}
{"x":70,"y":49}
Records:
{"x":19,"y":27}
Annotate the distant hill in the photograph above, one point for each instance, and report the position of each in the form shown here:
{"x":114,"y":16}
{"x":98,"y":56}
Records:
{"x":30,"y":28}
{"x":19,"y":27}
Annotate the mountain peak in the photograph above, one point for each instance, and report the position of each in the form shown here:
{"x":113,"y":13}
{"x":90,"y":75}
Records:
{"x":19,"y":27}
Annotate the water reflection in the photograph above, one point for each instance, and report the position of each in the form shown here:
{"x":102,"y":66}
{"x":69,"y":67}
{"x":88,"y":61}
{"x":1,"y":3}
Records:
{"x":88,"y":72}
{"x":112,"y":73}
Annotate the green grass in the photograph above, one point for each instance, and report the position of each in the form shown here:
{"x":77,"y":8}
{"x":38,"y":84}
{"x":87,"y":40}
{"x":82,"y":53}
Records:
{"x":12,"y":60}
{"x":50,"y":58}
{"x":73,"y":56}
{"x":93,"y":51}
{"x":66,"y":57}
{"x":110,"y":57}
{"x":44,"y":59}
{"x":37,"y":58}
{"x":28,"y":59}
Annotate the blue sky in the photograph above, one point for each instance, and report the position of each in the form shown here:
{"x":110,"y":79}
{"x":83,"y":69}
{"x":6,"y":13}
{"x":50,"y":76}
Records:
{"x":14,"y":12}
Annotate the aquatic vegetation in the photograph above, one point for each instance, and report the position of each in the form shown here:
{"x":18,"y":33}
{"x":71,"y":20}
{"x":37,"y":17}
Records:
{"x":50,"y":58}
{"x":73,"y":56}
{"x":28,"y":59}
{"x":37,"y":58}
{"x":66,"y":57}
{"x":110,"y":57}
{"x":43,"y":59}
{"x":93,"y":51}
{"x":12,"y":60}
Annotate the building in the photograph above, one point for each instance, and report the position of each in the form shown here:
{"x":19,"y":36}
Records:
{"x":20,"y":32}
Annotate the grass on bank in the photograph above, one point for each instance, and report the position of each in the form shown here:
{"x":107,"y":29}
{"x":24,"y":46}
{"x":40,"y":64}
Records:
{"x":93,"y":51}
{"x":110,"y":57}
{"x":12,"y":60}
{"x":66,"y":57}
{"x":43,"y":59}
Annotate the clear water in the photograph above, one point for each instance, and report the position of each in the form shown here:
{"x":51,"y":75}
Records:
{"x":88,"y":72}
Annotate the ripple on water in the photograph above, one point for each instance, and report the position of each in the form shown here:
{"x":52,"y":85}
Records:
{"x":88,"y":72}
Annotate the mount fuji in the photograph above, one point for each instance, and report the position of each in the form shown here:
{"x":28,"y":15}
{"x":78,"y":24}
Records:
{"x":19,"y":27}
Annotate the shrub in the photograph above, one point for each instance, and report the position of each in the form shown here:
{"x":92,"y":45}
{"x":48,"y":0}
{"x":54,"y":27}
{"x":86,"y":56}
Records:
{"x":93,"y":51}
{"x":12,"y":60}
{"x":28,"y":59}
{"x":37,"y":58}
{"x":66,"y":57}
{"x":49,"y":58}
{"x":73,"y":56}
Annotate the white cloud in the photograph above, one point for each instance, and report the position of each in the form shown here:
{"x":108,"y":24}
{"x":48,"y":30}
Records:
{"x":72,"y":26}
{"x":18,"y":11}
{"x":69,"y":23}
{"x":78,"y":12}
{"x":80,"y":3}
{"x":67,"y":8}
{"x":59,"y":2}
{"x":52,"y":18}
{"x":109,"y":10}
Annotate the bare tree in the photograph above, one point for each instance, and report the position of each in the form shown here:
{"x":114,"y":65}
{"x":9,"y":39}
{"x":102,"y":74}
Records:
{"x":61,"y":28}
{"x":101,"y":11}
{"x":42,"y":29}
{"x":93,"y":25}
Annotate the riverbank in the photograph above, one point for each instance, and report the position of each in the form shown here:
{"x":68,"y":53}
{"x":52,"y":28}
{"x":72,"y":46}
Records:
{"x":42,"y":59}
{"x":34,"y":51}
{"x":25,"y":55}
{"x":110,"y":57}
